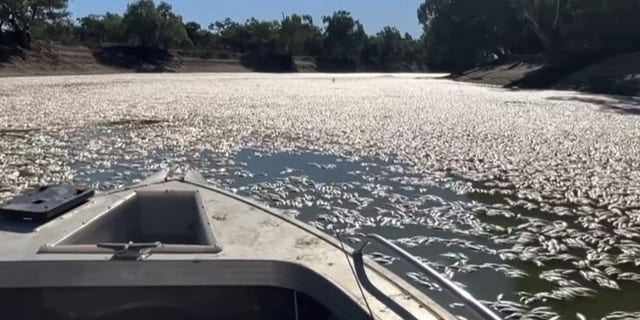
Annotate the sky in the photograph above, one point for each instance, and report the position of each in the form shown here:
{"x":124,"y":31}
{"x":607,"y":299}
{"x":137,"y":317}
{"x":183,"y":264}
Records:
{"x":373,"y":14}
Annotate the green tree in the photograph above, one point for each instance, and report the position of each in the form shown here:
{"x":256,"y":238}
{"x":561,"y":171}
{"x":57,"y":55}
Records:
{"x":389,"y":50}
{"x":412,"y":55}
{"x":114,"y":27}
{"x":195,"y":33}
{"x":298,"y":35}
{"x":231,"y":34}
{"x":171,"y":31}
{"x":148,"y":25}
{"x":241,"y":37}
{"x":568,"y":27}
{"x":142,"y":21}
{"x":460,"y":34}
{"x":101,"y":28}
{"x":370,"y":53}
{"x":344,"y":36}
{"x":21,"y":15}
{"x":193,"y":29}
{"x":392,"y":48}
{"x":92,"y":27}
{"x":544,"y":18}
{"x":61,"y":29}
{"x":261,"y":31}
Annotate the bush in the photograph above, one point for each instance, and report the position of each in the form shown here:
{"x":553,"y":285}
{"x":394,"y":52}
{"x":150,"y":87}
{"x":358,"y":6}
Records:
{"x":133,"y":56}
{"x":268,"y":62}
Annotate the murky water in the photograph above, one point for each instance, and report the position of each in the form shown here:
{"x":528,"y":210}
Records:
{"x":432,"y":219}
{"x":531,"y":200}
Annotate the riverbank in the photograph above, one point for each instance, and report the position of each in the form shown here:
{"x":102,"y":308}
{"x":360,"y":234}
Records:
{"x":47,"y":58}
{"x":619,"y":75}
{"x":51,"y":59}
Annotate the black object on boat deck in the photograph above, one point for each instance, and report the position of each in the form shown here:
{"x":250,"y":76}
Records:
{"x":45,"y":203}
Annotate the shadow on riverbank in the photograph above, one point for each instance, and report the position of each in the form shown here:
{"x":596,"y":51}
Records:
{"x":51,"y":58}
{"x":610,"y":103}
{"x":619,"y":75}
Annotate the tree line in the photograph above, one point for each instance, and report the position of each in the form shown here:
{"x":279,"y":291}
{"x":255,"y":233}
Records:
{"x":340,"y":37}
{"x":458,"y":34}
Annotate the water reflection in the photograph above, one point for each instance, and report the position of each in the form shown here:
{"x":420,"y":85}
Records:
{"x":498,"y":249}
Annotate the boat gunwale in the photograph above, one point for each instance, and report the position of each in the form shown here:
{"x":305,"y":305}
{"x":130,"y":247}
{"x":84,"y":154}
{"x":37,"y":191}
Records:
{"x":410,"y":290}
{"x":196,"y":180}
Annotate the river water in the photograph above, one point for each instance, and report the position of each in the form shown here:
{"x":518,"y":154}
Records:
{"x":531,"y":200}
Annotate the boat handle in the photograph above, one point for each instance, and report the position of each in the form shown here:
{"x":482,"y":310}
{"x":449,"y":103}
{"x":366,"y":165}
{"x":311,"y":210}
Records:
{"x":442,"y":280}
{"x":131,"y":250}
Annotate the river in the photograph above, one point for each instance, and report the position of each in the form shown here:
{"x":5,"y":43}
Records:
{"x":529,"y":199}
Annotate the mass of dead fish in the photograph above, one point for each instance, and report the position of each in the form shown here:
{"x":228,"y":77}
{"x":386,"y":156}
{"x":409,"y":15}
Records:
{"x":545,"y":190}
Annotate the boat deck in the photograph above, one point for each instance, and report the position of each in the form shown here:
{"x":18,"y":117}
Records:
{"x":246,"y":232}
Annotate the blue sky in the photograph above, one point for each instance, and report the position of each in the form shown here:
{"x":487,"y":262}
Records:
{"x":374,"y":14}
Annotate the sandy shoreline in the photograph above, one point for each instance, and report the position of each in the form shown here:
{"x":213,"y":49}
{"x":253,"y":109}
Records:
{"x":615,"y":76}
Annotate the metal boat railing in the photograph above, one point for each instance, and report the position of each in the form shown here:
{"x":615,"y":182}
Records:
{"x":443,"y":281}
